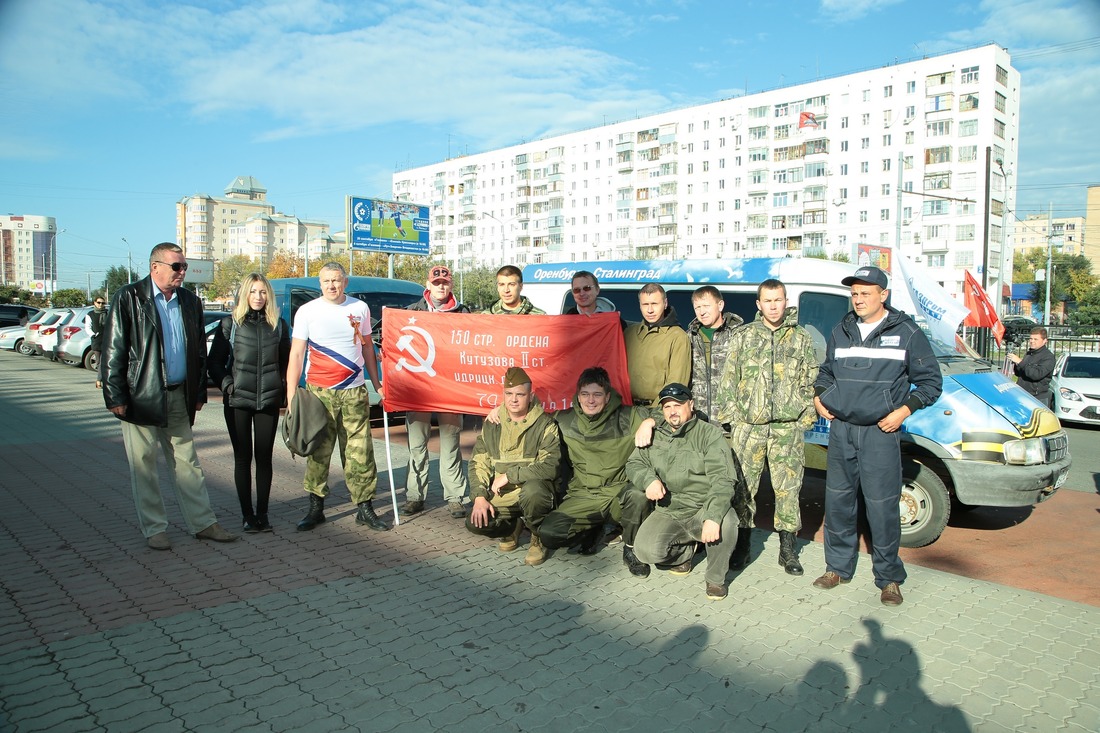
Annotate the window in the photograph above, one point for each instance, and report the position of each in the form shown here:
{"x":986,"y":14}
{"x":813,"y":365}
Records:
{"x":865,"y":167}
{"x":939,"y":103}
{"x":968,"y":153}
{"x":885,"y":164}
{"x":866,"y":95}
{"x":863,"y":192}
{"x":937,"y":260}
{"x":937,"y":181}
{"x":758,"y":154}
{"x":842,"y":217}
{"x":886,"y":189}
{"x":936,"y":207}
{"x":815,"y":170}
{"x":758,"y":112}
{"x":999,"y":129}
{"x":937,"y":155}
{"x":864,"y":143}
{"x":968,"y":128}
{"x":757,"y":178}
{"x":910,"y":136}
{"x":843,"y":194}
{"x":910,"y":87}
{"x":884,"y":214}
{"x":968,"y":102}
{"x":782,"y":132}
{"x":999,"y":101}
{"x":939,"y":128}
{"x":843,"y":169}
{"x":843,"y":123}
{"x":781,"y":110}
{"x":964,"y":233}
{"x":888,"y":91}
{"x":863,"y":216}
{"x":779,"y":199}
{"x":866,"y":118}
{"x":886,"y":140}
{"x":1002,"y":76}
{"x":910,"y":112}
{"x":964,"y":258}
{"x":758,"y":133}
{"x":968,"y":75}
{"x":843,"y":146}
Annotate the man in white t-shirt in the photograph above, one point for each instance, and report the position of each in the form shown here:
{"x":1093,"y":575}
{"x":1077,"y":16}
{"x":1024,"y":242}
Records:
{"x":335,"y":329}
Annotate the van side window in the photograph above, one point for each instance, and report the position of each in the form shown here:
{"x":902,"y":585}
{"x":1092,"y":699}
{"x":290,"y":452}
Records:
{"x":819,"y":313}
{"x":298,"y":298}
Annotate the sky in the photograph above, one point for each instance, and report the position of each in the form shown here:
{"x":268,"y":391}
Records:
{"x":114,"y":110}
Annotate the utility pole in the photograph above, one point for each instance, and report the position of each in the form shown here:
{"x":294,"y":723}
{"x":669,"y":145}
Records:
{"x":1050,"y":257}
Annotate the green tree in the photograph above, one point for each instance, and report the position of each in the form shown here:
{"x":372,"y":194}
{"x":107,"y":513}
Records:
{"x":1073,"y":278}
{"x":228,"y":275}
{"x":69,"y":298}
{"x":12,"y":294}
{"x":116,"y":277}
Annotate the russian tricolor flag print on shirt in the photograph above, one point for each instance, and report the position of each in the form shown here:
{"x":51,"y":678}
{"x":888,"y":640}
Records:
{"x":334,"y":334}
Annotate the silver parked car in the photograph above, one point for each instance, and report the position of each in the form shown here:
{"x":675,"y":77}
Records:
{"x":74,"y":347}
{"x":42,"y":333}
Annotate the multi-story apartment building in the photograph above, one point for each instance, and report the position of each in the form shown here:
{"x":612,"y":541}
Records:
{"x":242,"y":223}
{"x":28,"y":252}
{"x":1066,"y":234}
{"x":910,"y":154}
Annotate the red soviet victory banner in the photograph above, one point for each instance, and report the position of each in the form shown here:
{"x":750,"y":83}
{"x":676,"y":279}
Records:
{"x":982,"y":312}
{"x":455,"y":362}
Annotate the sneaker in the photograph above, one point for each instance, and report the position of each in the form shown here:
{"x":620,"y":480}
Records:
{"x":159,"y":541}
{"x":216,"y":533}
{"x":412,"y":506}
{"x":250,"y":525}
{"x":457,"y":510}
{"x":891,"y":595}
{"x":716,"y":592}
{"x":829,"y":580}
{"x":683,"y":568}
{"x":636,"y":566}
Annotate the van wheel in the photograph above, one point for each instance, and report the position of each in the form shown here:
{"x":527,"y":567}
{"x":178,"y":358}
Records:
{"x":24,"y":348}
{"x":925,"y":505}
{"x":91,"y":360}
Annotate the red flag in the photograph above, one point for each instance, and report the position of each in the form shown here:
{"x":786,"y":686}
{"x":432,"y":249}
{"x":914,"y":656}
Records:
{"x":982,"y":312}
{"x":455,"y":362}
{"x":807,"y":119}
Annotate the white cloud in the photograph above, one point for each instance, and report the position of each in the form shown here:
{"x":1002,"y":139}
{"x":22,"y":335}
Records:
{"x":848,"y":10}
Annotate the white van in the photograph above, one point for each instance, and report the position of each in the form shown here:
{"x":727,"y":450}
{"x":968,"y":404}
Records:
{"x":985,"y":442}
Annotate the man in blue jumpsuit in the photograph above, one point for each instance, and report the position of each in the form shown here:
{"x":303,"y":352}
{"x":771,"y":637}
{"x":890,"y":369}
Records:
{"x":879,"y":369}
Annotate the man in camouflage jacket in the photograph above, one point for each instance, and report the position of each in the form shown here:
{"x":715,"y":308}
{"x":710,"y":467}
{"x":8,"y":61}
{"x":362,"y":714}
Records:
{"x":766,"y":395}
{"x":710,"y":335}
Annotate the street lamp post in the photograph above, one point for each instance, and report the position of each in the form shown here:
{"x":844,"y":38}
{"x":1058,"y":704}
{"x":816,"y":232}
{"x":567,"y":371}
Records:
{"x":53,"y":262}
{"x":129,"y":262}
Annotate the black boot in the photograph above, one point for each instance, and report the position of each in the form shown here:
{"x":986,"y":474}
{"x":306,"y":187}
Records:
{"x":788,"y":555}
{"x":590,"y":540}
{"x":315,"y":515}
{"x":367,"y":516}
{"x":739,"y":560}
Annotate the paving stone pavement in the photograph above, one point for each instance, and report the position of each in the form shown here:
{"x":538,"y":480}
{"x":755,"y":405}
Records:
{"x":427,"y":628}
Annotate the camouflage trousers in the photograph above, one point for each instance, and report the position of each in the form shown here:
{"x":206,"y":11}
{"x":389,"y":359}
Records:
{"x":349,"y":422}
{"x":780,"y":447}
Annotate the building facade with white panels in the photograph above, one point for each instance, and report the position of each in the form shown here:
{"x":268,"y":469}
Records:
{"x":1066,"y":235}
{"x":28,"y":252}
{"x":888,"y":155}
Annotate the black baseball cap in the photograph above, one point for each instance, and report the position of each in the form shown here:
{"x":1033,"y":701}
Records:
{"x":675,"y":391}
{"x":871,"y":275}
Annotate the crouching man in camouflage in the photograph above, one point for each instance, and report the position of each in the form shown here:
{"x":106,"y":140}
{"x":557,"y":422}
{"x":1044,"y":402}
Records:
{"x":514,"y":470}
{"x":766,"y":395}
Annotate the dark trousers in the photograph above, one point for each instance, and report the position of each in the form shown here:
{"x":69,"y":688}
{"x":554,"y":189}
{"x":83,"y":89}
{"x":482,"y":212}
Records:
{"x":252,"y":433}
{"x":863,"y":461}
{"x":530,"y":502}
{"x":580,"y":512}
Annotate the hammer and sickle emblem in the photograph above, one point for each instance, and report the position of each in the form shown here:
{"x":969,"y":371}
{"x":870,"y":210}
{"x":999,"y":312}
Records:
{"x":422,"y":363}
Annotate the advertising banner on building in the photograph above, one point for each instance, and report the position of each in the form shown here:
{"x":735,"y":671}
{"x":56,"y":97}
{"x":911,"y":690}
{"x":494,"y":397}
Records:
{"x":455,"y":362}
{"x":374,"y":225}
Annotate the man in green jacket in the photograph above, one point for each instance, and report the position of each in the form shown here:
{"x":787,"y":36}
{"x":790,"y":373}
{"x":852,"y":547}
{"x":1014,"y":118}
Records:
{"x":691,"y":474}
{"x":599,"y":436}
{"x":657,"y":349}
{"x":710,"y":335}
{"x":766,"y":395}
{"x":514,"y":470}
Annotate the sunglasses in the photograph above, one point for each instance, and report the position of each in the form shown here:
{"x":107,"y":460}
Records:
{"x":100,"y":302}
{"x":582,"y":289}
{"x":176,"y":266}
{"x":441,"y":272}
{"x":676,"y":393}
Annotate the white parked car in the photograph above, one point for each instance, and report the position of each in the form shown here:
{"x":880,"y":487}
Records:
{"x":12,"y":338}
{"x":1076,"y":387}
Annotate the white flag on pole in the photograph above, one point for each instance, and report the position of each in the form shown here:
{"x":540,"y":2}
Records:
{"x":922,"y":297}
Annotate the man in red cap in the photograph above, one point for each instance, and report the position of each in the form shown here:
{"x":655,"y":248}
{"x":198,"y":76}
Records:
{"x":438,"y":298}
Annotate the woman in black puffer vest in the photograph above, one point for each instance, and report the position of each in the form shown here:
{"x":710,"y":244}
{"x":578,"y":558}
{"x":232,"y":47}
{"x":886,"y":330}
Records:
{"x":248,"y":361}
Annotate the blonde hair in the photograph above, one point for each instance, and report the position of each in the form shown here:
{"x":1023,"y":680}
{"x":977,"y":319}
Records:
{"x":271,"y":313}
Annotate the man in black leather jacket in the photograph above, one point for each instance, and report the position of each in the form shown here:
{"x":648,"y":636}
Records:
{"x":153,"y":372}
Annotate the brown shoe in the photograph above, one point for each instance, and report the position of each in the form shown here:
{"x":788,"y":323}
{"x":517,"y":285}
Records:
{"x":511,"y":542}
{"x":891,"y":595}
{"x":716,"y":592}
{"x":159,"y":541}
{"x":829,"y":580}
{"x":536,"y":553}
{"x":217,"y":534}
{"x":683,"y":568}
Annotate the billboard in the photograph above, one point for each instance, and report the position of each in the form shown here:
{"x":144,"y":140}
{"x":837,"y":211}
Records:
{"x":374,"y":225}
{"x":200,"y":271}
